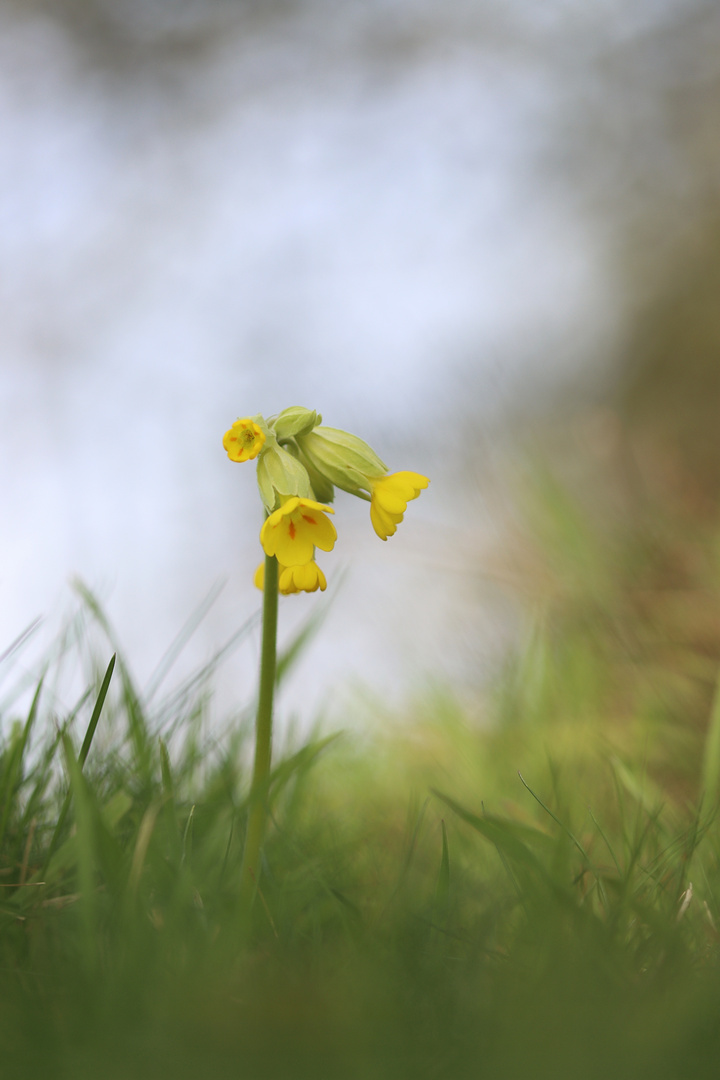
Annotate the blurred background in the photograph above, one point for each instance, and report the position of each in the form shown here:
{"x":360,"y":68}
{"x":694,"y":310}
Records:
{"x":482,"y":235}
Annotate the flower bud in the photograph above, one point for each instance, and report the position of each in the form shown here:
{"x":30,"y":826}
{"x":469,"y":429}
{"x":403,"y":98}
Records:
{"x":280,"y":476}
{"x":344,"y":459}
{"x":295,"y":421}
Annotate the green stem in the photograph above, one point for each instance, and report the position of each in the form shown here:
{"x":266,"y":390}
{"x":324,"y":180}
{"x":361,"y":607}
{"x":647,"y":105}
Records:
{"x":257,"y":817}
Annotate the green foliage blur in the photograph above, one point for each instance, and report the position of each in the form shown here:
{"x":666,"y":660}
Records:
{"x":424,"y":910}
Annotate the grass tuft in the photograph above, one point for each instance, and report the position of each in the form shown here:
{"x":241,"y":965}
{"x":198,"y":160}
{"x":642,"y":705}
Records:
{"x":423,"y":912}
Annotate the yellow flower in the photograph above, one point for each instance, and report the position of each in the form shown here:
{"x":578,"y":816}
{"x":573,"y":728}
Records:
{"x":292,"y":532}
{"x":293,"y":579}
{"x":306,"y":578}
{"x":389,"y":496}
{"x":244,"y":440}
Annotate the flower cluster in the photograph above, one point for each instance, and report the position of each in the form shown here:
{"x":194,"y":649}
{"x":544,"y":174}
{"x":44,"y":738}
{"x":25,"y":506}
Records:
{"x":299,"y":464}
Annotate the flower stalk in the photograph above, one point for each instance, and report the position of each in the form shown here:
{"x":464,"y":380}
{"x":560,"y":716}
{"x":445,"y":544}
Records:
{"x":257,"y":812}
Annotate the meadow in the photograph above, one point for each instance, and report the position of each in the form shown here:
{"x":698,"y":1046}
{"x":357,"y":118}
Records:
{"x":524,"y":886}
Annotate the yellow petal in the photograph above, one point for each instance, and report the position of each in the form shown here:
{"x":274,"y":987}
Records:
{"x":270,"y":530}
{"x":312,"y":505}
{"x":382,"y":522}
{"x":389,"y":500}
{"x":407,"y":485}
{"x":306,"y":578}
{"x":293,"y":546}
{"x":303,"y":577}
{"x":324,"y":533}
{"x":286,"y":584}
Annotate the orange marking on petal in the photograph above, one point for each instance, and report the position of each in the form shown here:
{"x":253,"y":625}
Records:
{"x":291,"y":530}
{"x":310,"y":520}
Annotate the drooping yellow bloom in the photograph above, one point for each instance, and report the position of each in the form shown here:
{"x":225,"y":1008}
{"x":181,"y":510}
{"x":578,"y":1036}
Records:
{"x":293,"y":579}
{"x":305,"y":578}
{"x":389,"y":496}
{"x":244,"y":440}
{"x":292,"y":532}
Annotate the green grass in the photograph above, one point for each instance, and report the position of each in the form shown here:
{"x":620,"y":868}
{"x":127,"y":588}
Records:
{"x":424,"y":910}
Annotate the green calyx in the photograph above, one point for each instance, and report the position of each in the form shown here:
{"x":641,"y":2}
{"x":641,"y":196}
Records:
{"x":295,"y":421}
{"x":343,"y":459}
{"x":280,"y":476}
{"x":323,"y":488}
{"x":301,"y":458}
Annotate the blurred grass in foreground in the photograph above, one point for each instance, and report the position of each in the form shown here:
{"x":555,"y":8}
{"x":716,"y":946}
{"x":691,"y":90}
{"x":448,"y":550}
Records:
{"x":424,"y":911}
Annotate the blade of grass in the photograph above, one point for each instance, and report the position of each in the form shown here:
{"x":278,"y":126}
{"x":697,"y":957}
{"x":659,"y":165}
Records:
{"x":188,"y":835}
{"x":568,"y":832}
{"x":142,"y":843}
{"x":171,"y":821}
{"x":92,"y":726}
{"x":501,"y":833}
{"x":137,"y":723}
{"x":21,"y":639}
{"x":85,"y":849}
{"x":13,"y":769}
{"x":42,"y":775}
{"x":84,"y":751}
{"x":442,"y":890}
{"x":557,"y":820}
{"x":608,"y":845}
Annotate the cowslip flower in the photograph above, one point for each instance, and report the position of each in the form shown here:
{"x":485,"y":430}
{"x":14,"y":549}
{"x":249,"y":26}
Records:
{"x":244,"y":440}
{"x":294,"y":579}
{"x":306,"y":578}
{"x":293,"y":531}
{"x":389,"y":496}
